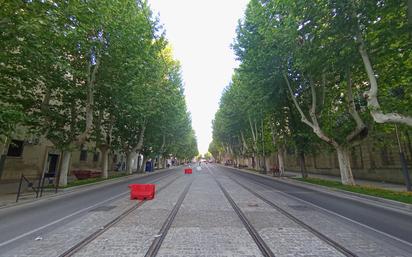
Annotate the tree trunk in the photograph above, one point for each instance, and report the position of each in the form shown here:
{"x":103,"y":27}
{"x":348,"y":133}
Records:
{"x":159,"y":162}
{"x":343,"y":155}
{"x":91,"y":81}
{"x":263,"y":168}
{"x":258,"y":163}
{"x":139,"y":159}
{"x":409,"y":145}
{"x":302,"y":164}
{"x":154,"y":163}
{"x":344,"y":166}
{"x":281,"y":162}
{"x":2,"y":162}
{"x":3,"y":154}
{"x":105,"y":162}
{"x":64,"y":168}
{"x":129,"y":168}
{"x":371,"y":96}
{"x":142,"y":168}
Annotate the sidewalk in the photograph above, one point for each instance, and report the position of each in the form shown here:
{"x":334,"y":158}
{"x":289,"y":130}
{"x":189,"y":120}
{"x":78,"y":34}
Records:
{"x":361,"y":182}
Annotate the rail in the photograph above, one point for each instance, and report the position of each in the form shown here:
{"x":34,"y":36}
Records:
{"x":84,"y":242}
{"x":312,"y":230}
{"x":263,"y":247}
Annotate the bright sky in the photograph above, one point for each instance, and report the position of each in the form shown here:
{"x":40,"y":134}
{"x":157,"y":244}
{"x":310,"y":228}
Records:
{"x":200,"y":33}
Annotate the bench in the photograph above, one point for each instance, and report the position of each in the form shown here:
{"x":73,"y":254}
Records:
{"x":275,"y":170}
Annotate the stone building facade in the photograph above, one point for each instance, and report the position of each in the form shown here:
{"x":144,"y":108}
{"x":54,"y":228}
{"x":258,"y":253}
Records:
{"x":368,"y":161}
{"x":32,"y":158}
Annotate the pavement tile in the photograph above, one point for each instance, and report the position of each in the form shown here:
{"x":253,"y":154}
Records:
{"x":206,"y":225}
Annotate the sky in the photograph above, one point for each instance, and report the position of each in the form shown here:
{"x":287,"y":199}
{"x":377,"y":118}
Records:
{"x":200,"y":32}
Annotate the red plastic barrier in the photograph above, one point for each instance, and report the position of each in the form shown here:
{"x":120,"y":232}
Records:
{"x":188,"y":171}
{"x":142,"y":191}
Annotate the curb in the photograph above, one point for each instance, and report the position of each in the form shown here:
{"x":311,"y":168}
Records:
{"x":81,"y":188}
{"x":374,"y":200}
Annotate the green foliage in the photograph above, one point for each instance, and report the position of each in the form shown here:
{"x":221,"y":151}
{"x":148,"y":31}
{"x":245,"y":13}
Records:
{"x":91,"y":70}
{"x":312,"y":44}
{"x":207,"y":155}
{"x":87,"y":181}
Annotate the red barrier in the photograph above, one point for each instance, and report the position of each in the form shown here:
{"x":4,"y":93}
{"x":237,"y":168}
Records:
{"x":188,"y":171}
{"x":142,"y":191}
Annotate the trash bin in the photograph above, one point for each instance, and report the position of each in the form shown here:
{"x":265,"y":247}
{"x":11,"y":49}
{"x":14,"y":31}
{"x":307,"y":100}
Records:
{"x":148,"y":166}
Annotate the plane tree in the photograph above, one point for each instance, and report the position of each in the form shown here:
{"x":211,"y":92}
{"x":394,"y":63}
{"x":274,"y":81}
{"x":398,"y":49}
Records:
{"x":300,"y":51}
{"x":29,"y":64}
{"x":80,"y":72}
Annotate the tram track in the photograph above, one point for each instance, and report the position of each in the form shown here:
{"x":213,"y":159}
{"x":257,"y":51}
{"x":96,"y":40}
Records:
{"x":261,"y":244}
{"x":340,"y":248}
{"x":157,"y":242}
{"x":90,"y":238}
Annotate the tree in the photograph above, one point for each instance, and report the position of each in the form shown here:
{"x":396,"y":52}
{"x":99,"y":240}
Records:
{"x":89,"y":72}
{"x":305,"y":54}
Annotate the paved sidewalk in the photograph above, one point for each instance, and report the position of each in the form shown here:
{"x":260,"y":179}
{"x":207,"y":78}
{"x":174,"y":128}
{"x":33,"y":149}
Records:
{"x":361,"y":182}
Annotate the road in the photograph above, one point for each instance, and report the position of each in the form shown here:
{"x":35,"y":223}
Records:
{"x":391,"y":222}
{"x":354,"y":224}
{"x":19,"y":224}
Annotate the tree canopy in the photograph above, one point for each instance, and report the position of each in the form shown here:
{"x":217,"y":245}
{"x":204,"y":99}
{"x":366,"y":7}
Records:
{"x":92,"y":71}
{"x":312,"y":72}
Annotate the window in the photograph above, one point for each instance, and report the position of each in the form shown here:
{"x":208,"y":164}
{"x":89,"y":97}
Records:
{"x":83,"y":154}
{"x":15,"y":148}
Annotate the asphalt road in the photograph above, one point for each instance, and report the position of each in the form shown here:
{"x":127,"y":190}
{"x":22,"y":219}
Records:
{"x":391,"y":222}
{"x":18,"y":224}
{"x":21,"y":222}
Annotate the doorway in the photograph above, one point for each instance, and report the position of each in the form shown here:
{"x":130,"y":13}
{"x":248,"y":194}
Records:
{"x":52,"y":161}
